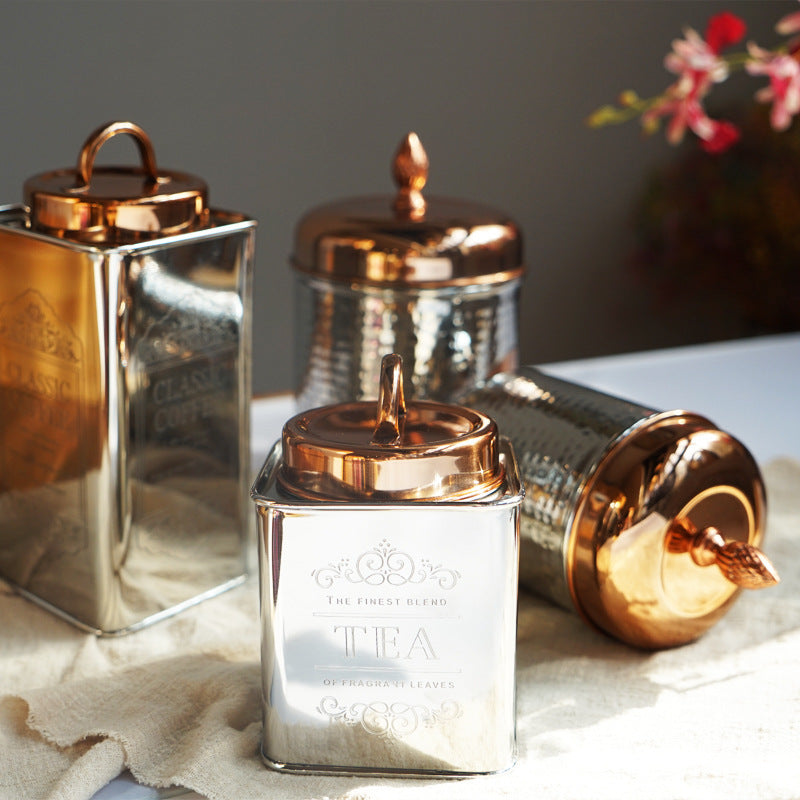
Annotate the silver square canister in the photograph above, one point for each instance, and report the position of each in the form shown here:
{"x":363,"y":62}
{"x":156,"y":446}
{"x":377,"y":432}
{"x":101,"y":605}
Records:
{"x":388,"y":548}
{"x":124,"y":391}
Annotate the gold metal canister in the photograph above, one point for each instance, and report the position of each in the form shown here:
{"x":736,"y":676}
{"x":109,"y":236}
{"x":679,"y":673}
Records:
{"x":645,"y":522}
{"x":433,"y":279}
{"x":124,"y":390}
{"x":388,"y":550}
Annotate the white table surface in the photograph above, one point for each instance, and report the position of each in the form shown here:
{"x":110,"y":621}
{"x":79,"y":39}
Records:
{"x":749,"y":388}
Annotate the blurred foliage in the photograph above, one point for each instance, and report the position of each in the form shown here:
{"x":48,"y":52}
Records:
{"x":727,"y":226}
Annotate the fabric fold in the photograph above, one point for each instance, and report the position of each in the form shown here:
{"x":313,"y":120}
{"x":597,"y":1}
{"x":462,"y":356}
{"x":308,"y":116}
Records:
{"x":179,"y":704}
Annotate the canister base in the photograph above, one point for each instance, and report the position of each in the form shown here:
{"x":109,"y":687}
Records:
{"x":386,"y":772}
{"x":139,"y":624}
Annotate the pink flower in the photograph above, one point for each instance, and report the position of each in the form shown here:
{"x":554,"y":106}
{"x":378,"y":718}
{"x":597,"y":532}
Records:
{"x":789,"y":24}
{"x":723,"y":135}
{"x":697,"y":63}
{"x":786,"y":27}
{"x":699,"y":57}
{"x":784,"y":84}
{"x":724,"y":30}
{"x":687,"y":112}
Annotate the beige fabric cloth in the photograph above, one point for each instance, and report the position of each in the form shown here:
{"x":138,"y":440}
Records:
{"x":179,"y":703}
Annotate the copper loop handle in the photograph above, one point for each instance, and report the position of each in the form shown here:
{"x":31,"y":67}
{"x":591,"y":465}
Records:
{"x":105,"y":132}
{"x":391,"y":402}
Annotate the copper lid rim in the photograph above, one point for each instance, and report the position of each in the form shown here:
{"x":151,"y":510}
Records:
{"x":669,"y":624}
{"x":486,"y":213}
{"x":482,"y":427}
{"x":476,"y":492}
{"x":294,"y":438}
{"x":621,"y":440}
{"x":39,"y":184}
{"x":479,"y":280}
{"x":222,"y":222}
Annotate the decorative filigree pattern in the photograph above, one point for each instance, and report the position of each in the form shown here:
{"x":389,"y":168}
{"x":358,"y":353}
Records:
{"x":385,"y":565}
{"x":183,"y":335}
{"x":30,"y":322}
{"x":389,"y":720}
{"x":179,"y":319}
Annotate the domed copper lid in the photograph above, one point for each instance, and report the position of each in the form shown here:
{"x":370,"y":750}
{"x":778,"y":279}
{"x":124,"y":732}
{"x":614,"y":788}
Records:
{"x":397,"y":451}
{"x":409,"y":239}
{"x":116,"y":205}
{"x":667,"y":532}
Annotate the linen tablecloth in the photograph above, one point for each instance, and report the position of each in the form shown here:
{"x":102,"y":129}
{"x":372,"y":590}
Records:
{"x":179,"y":703}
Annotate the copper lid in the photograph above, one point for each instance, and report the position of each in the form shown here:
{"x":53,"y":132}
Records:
{"x":116,"y":204}
{"x":397,"y":451}
{"x":409,"y":239}
{"x":666,"y":532}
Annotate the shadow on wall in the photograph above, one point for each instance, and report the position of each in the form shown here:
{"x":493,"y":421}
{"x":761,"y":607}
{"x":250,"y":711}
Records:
{"x":718,"y":236}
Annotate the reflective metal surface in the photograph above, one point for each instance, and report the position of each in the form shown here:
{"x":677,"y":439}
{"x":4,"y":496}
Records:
{"x":116,"y":205}
{"x":394,"y":450}
{"x":740,"y":562}
{"x":388,"y":632}
{"x":451,"y":339}
{"x":433,"y":279}
{"x":410,"y":171}
{"x":609,"y":487}
{"x":124,"y":396}
{"x":408,"y":240}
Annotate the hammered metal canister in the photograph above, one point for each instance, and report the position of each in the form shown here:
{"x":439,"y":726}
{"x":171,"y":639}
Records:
{"x":124,"y":391}
{"x":388,"y":547}
{"x":647,"y":523}
{"x":435,"y":280}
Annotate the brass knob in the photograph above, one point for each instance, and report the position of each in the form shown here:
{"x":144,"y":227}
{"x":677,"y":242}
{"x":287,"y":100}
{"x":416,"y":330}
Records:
{"x":410,"y":171}
{"x":741,"y":563}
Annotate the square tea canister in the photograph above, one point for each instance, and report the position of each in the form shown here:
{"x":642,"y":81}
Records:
{"x":388,"y":547}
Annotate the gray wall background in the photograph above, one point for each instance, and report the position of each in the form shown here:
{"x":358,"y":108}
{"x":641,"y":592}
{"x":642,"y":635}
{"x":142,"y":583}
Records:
{"x":283,"y":105}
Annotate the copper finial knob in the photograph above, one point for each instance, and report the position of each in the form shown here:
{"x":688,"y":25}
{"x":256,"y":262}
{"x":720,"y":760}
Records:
{"x":410,"y":171}
{"x":741,"y":563}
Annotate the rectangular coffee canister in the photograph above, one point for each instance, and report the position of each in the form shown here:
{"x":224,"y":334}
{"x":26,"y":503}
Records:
{"x":124,"y":392}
